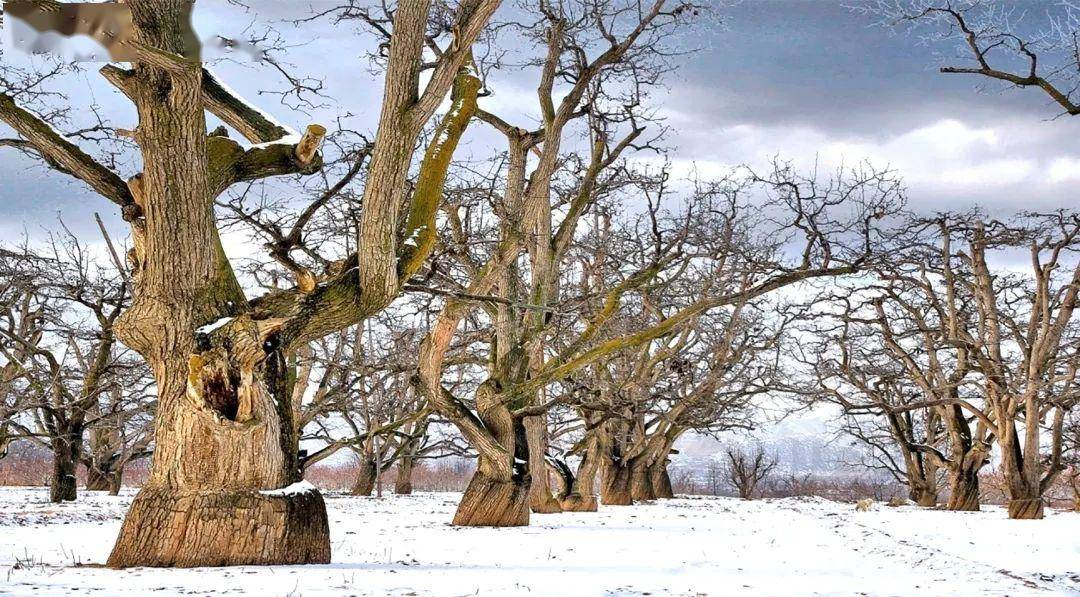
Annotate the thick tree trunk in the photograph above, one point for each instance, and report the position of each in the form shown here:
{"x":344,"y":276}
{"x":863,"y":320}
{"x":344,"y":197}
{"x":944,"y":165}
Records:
{"x":96,"y":480}
{"x":365,"y":478}
{"x":616,"y":481}
{"x":923,"y":495}
{"x":661,"y":480}
{"x":1025,"y":508}
{"x":213,"y":495}
{"x":641,"y":486}
{"x":1025,"y":495}
{"x":403,"y":480}
{"x":65,"y":449}
{"x":963,"y":490}
{"x":489,"y":502}
{"x":541,"y":497}
{"x":222,"y":528}
{"x":582,"y":491}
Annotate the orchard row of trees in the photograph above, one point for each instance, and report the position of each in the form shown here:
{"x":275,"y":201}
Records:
{"x":562,"y":307}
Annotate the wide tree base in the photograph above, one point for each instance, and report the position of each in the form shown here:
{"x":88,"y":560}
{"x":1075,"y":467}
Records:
{"x":1026,"y":509}
{"x":545,"y":504}
{"x":617,"y":497}
{"x":489,"y":503}
{"x":964,"y":500}
{"x":167,"y":528}
{"x":579,"y":503}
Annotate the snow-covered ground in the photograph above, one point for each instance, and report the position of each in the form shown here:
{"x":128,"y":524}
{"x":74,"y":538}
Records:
{"x":693,"y":546}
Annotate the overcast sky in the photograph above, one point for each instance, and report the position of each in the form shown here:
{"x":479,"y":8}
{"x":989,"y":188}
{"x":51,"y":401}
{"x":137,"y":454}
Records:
{"x":803,"y":79}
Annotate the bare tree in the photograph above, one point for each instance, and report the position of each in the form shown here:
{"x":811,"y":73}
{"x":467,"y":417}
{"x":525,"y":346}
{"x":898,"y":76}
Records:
{"x":508,"y":429}
{"x":60,"y":349}
{"x":220,"y":359}
{"x":745,"y":471}
{"x":999,"y":41}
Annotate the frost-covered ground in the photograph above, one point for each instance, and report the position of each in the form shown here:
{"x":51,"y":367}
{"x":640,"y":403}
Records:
{"x":699,"y":546}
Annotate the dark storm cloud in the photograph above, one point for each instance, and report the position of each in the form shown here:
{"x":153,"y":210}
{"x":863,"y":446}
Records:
{"x":819,"y":63}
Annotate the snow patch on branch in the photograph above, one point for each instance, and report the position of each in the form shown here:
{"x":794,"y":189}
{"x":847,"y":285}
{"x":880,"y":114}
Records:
{"x":291,"y":139}
{"x":298,"y":488}
{"x":210,"y":327}
{"x":41,"y":119}
{"x":290,"y":132}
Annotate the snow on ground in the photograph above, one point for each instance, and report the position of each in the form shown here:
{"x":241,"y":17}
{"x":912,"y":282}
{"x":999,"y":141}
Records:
{"x":693,"y":546}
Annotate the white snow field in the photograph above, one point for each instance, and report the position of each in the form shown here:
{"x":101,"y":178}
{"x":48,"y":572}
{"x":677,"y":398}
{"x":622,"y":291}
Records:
{"x":688,"y":546}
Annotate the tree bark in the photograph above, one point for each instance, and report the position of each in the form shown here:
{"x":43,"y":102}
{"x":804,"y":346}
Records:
{"x":541,"y":497}
{"x":222,"y":528}
{"x":616,"y":484}
{"x":108,"y":480}
{"x":963,"y":490}
{"x":661,"y":480}
{"x":922,"y":495}
{"x":582,"y":490}
{"x":1025,"y":508}
{"x":641,"y":485}
{"x":1021,"y":476}
{"x":403,"y":480}
{"x":365,"y":478}
{"x":96,"y":480}
{"x":65,"y":448}
{"x":492,"y":502}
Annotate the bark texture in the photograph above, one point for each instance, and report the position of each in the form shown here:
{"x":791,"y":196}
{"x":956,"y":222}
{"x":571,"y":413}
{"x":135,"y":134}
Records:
{"x":217,"y":528}
{"x":365,"y":478}
{"x":62,"y":483}
{"x":492,"y":503}
{"x":964,"y":491}
{"x":581,"y":496}
{"x":403,"y":480}
{"x":661,"y":481}
{"x":616,"y":484}
{"x":541,"y":497}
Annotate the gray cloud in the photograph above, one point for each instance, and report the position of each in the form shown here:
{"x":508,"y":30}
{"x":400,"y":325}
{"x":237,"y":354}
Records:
{"x":804,"y":79}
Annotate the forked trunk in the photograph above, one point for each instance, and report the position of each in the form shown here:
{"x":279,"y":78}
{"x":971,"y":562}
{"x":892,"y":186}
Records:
{"x":62,"y":483}
{"x":403,"y":480}
{"x":490,"y":502}
{"x":365,"y":478}
{"x":541,"y":497}
{"x":1025,"y":494}
{"x":963,"y":490}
